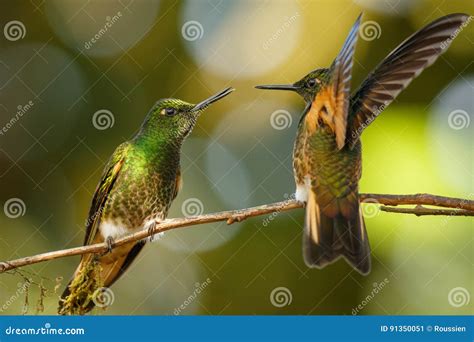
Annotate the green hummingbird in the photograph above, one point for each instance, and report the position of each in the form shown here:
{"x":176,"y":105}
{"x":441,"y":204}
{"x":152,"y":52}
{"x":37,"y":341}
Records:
{"x":139,"y":183}
{"x":327,"y":150}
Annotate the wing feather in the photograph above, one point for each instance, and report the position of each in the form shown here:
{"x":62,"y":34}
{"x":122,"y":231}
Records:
{"x":341,"y":83}
{"x":110,"y":175}
{"x":398,"y":69}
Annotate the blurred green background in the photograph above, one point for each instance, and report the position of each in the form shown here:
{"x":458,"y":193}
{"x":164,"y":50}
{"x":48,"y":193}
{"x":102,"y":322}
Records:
{"x":239,"y":155}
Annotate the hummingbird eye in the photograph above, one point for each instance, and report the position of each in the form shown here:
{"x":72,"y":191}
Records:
{"x":312,"y":82}
{"x":170,"y":111}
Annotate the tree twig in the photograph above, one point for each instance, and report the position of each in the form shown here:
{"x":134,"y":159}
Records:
{"x":420,"y":210}
{"x":419,"y":199}
{"x":463,"y":207}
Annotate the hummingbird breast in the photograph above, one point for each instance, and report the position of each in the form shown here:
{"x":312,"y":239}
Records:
{"x":143,"y":192}
{"x":319,"y":165}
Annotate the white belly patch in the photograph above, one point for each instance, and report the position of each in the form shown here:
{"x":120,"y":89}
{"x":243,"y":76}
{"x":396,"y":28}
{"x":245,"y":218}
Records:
{"x":113,"y":229}
{"x":301,"y":194}
{"x":117,"y":230}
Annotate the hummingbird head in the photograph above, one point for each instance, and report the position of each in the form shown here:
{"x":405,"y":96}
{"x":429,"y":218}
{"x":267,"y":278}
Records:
{"x":176,"y":118}
{"x":307,"y":87}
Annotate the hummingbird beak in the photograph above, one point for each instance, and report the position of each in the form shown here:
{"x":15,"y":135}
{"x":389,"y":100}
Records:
{"x":291,"y":87}
{"x":203,"y":104}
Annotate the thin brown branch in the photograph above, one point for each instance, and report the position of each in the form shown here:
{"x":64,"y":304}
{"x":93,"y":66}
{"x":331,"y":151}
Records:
{"x":461,"y":207}
{"x":420,"y":199}
{"x":420,"y":210}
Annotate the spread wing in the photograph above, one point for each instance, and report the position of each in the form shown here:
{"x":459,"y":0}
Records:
{"x":111,"y":172}
{"x":398,"y":69}
{"x":341,"y":70}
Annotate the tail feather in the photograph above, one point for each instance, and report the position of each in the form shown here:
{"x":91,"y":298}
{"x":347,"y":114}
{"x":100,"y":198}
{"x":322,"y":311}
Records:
{"x":93,"y":273}
{"x":115,"y":270}
{"x":329,"y":237}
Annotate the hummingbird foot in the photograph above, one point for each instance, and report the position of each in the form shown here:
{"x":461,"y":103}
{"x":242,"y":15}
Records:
{"x":151,"y":228}
{"x":110,"y":244}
